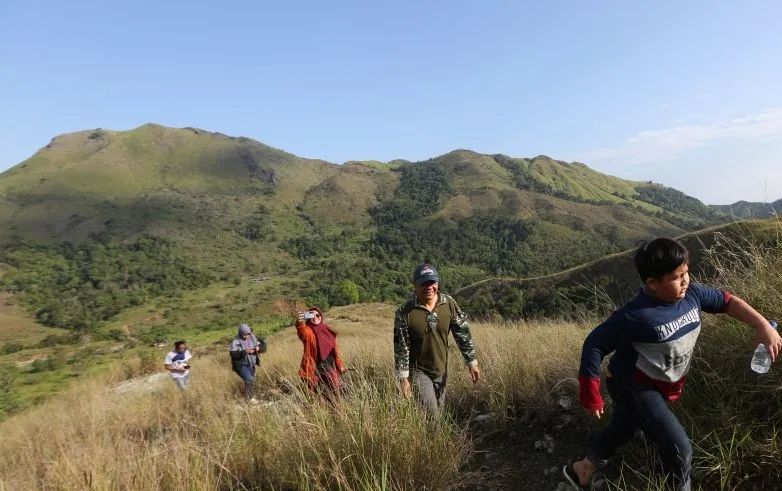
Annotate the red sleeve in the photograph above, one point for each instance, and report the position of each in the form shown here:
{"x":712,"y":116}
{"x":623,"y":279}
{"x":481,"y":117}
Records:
{"x":338,"y":360}
{"x":589,"y":392}
{"x":301,"y":330}
{"x":307,"y":368}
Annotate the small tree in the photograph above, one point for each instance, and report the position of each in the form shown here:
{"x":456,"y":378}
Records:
{"x":348,"y":292}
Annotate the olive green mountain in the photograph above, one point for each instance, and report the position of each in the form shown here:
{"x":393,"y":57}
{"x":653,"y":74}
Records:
{"x":177,"y":182}
{"x":239,"y":207}
{"x":746,"y":209}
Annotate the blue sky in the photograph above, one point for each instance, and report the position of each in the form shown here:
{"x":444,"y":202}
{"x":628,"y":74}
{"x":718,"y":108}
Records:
{"x":682,"y":93}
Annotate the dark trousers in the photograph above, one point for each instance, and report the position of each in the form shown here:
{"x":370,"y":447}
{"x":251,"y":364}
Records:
{"x":329,"y":378}
{"x":644,"y":407}
{"x":430,"y":392}
{"x":247,"y":372}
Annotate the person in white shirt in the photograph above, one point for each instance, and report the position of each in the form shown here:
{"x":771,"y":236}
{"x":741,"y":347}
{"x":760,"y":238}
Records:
{"x":178,"y":363}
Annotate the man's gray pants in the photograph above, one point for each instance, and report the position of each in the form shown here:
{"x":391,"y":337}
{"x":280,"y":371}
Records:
{"x":429,"y":392}
{"x":182,"y":382}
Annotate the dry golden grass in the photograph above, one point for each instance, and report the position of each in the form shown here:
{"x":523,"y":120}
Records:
{"x":18,"y":326}
{"x":96,"y":437}
{"x":106,"y":434}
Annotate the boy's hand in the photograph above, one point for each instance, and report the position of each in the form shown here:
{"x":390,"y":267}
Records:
{"x":773,"y":341}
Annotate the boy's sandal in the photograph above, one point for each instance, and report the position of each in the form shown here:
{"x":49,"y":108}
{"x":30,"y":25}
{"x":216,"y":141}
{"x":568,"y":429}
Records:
{"x":572,"y":478}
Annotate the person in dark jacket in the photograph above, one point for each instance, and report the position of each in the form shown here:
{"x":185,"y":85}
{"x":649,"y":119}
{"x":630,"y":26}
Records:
{"x":245,"y":350}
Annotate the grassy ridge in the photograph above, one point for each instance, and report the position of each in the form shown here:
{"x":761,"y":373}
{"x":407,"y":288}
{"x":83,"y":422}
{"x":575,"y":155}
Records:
{"x":186,"y":183}
{"x":604,"y":284}
{"x":745,"y":210}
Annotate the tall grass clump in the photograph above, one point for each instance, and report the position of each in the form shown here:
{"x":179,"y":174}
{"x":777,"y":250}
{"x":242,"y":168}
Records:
{"x":527,"y":366}
{"x":210,"y":439}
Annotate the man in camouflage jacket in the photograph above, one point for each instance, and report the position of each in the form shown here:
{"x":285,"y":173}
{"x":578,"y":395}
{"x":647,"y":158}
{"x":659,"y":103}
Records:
{"x":421,"y":328}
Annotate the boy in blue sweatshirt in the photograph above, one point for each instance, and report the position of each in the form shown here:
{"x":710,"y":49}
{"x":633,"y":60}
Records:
{"x":653,"y":337}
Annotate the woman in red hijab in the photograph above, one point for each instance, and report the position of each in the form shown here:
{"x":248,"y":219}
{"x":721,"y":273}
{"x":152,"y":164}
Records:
{"x":321,"y":366}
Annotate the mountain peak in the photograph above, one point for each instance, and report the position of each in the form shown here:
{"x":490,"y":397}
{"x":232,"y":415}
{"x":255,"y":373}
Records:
{"x":151,"y":125}
{"x":462,"y":152}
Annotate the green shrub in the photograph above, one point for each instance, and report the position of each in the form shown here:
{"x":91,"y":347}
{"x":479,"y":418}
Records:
{"x":348,"y":292}
{"x":8,"y":398}
{"x":78,"y":287}
{"x":157,"y":334}
{"x":11,"y":347}
{"x":47,"y":364}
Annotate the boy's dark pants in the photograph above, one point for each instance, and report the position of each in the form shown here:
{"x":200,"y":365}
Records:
{"x":644,"y":407}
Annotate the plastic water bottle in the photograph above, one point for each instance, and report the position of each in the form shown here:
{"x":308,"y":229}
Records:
{"x":761,"y":362}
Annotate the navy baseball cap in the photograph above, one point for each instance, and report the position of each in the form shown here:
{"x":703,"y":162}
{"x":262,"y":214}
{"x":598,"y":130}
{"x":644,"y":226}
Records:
{"x":424,"y":273}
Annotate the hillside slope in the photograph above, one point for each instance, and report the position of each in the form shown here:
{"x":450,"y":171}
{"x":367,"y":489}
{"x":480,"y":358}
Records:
{"x":152,"y":178}
{"x":601,"y":285}
{"x":160,"y":179}
{"x":746,"y":209}
{"x":513,"y":430}
{"x":224,"y":208}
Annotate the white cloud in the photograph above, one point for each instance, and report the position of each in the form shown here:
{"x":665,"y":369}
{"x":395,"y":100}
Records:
{"x":667,"y":144}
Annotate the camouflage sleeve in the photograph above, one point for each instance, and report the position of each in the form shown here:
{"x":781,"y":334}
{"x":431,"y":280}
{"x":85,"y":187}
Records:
{"x":461,"y":334}
{"x":401,"y":345}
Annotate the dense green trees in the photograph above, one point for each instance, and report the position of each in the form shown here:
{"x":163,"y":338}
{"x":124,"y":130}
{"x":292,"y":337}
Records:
{"x":79,"y":286}
{"x":257,"y":226}
{"x":679,"y":209}
{"x":379,"y":263}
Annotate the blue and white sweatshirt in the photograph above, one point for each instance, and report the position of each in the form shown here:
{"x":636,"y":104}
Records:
{"x":653,"y":343}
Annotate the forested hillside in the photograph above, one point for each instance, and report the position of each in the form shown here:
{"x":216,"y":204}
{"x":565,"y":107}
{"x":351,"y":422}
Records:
{"x":745,"y":209}
{"x":604,"y":284}
{"x":123,"y":217}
